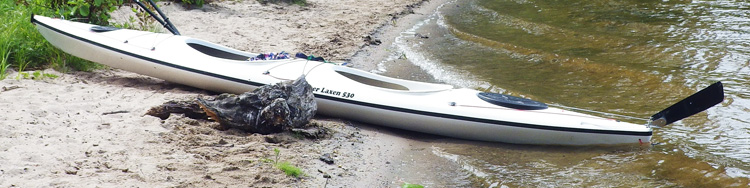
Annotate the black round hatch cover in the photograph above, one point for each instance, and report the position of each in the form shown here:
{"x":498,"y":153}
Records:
{"x":511,"y":101}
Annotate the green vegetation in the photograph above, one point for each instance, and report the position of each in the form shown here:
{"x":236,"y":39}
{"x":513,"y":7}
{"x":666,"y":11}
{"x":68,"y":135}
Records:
{"x":4,"y":53}
{"x":286,"y":167}
{"x":289,"y":169}
{"x":142,"y":20}
{"x":191,"y":3}
{"x":36,"y":75}
{"x":91,"y":11}
{"x":23,"y":48}
{"x":21,"y":45}
{"x":409,"y":185}
{"x":277,"y":152}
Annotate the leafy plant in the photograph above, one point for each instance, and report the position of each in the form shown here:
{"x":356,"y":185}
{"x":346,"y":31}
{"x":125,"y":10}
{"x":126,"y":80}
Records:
{"x":36,"y":75}
{"x":47,"y":75}
{"x":94,"y":11}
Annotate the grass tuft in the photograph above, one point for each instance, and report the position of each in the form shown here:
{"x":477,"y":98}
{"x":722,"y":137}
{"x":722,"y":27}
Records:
{"x":289,"y":169}
{"x":286,"y":167}
{"x":4,"y":64}
{"x":409,"y":185}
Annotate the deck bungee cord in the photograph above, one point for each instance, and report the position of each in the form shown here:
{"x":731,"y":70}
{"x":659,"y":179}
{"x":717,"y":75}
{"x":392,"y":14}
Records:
{"x":533,"y":111}
{"x":598,"y":112}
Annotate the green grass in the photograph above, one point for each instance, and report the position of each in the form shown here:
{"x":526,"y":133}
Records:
{"x":286,"y":167}
{"x":22,"y":47}
{"x":409,"y":185}
{"x":4,"y":64}
{"x":36,"y":75}
{"x":289,"y":169}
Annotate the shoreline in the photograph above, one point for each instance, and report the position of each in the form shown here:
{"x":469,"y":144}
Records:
{"x":373,"y":58}
{"x":65,"y":132}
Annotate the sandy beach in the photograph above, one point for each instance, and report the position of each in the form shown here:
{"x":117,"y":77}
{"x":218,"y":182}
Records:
{"x":89,"y":129}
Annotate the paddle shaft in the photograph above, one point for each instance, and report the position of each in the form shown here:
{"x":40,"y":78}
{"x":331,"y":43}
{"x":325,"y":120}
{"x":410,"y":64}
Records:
{"x":167,"y":24}
{"x":166,"y":19}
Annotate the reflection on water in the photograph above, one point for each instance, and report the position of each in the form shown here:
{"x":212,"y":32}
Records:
{"x":626,"y":57}
{"x":555,"y":166}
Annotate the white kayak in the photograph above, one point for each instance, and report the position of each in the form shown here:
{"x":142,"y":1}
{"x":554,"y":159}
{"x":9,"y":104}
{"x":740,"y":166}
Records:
{"x":341,"y":91}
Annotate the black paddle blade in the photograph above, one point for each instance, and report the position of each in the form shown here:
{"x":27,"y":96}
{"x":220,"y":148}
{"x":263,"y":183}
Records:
{"x":697,"y":102}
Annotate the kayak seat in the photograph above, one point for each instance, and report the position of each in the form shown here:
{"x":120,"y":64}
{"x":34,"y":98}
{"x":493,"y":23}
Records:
{"x":511,"y":101}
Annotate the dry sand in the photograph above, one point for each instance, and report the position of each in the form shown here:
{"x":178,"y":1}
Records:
{"x":334,"y":29}
{"x":88,"y":129}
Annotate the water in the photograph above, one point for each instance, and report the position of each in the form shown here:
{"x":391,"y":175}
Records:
{"x":625,"y":57}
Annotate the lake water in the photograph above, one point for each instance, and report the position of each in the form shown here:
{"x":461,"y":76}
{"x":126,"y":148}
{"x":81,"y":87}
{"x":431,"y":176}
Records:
{"x":631,"y":58}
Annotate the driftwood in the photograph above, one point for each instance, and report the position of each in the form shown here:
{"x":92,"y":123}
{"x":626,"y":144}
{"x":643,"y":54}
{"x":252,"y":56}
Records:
{"x":268,"y":109}
{"x":191,"y":109}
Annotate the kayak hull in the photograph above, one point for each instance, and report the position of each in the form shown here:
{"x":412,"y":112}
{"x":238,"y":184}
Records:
{"x":340,"y":91}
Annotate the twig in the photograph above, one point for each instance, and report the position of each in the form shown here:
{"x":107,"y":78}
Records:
{"x":10,"y":88}
{"x":116,"y":112}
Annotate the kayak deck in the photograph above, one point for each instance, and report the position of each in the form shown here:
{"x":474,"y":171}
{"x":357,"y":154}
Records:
{"x":341,"y":91}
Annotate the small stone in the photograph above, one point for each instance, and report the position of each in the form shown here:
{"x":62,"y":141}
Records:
{"x":327,"y":158}
{"x":312,"y":132}
{"x":372,"y":41}
{"x":273,"y":139}
{"x":421,"y":36}
{"x":71,"y":171}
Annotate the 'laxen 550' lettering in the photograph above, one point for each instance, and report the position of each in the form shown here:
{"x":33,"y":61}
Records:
{"x":333,"y":92}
